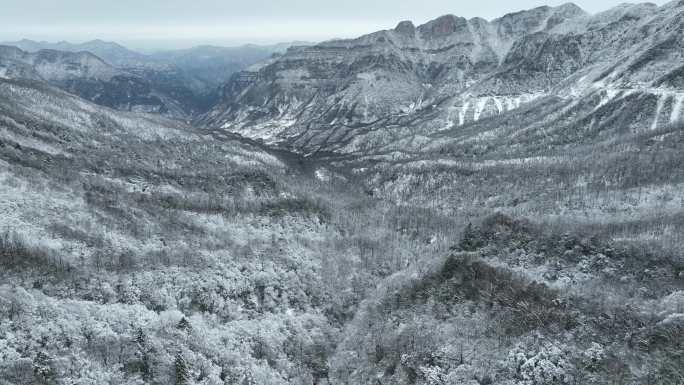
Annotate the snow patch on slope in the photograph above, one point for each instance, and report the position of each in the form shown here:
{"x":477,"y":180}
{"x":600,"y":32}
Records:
{"x":472,"y":109}
{"x":677,"y":108}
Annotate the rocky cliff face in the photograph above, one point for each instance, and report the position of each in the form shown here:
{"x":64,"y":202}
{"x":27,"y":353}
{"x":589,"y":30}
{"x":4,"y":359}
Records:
{"x":453,"y":71}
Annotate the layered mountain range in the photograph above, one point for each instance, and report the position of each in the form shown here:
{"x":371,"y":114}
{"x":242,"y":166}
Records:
{"x":357,"y":94}
{"x":88,"y":76}
{"x":111,"y":52}
{"x":179,"y":84}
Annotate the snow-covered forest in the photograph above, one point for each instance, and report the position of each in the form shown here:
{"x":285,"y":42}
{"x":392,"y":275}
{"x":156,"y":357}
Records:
{"x":460,"y":202}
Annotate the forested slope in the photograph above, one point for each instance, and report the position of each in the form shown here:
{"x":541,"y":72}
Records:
{"x":135,"y":249}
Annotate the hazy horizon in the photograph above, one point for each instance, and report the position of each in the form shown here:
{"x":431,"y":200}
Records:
{"x":177,"y":24}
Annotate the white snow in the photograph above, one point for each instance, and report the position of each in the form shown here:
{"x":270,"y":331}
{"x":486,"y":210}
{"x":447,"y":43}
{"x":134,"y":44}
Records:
{"x":609,"y":94}
{"x":501,"y":103}
{"x":323,"y":174}
{"x":462,"y":114}
{"x":481,"y":103}
{"x":659,"y":109}
{"x":677,"y":108}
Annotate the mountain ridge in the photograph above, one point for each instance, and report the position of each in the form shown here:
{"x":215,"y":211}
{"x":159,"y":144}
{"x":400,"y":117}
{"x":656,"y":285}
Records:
{"x":87,"y":75}
{"x":183,"y":82}
{"x":458,"y":69}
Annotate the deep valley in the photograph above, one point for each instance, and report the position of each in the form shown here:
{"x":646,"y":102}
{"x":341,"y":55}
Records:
{"x":460,"y":202}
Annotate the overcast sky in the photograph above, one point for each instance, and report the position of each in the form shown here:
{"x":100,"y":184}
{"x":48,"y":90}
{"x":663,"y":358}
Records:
{"x":149,"y":23}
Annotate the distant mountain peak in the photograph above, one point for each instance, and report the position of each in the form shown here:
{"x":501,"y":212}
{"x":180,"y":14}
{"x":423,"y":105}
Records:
{"x":570,"y":10}
{"x":566,"y":10}
{"x":54,"y":55}
{"x":444,"y":26}
{"x":9,"y":48}
{"x":100,"y":42}
{"x":406,"y":27}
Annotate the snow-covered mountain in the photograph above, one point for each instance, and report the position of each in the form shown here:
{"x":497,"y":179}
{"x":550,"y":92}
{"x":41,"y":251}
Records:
{"x":214,"y":65}
{"x":111,"y":52}
{"x":464,"y":202}
{"x":203,"y":68}
{"x":86,"y":75}
{"x":54,"y":65}
{"x":180,"y":83}
{"x":454,"y":71}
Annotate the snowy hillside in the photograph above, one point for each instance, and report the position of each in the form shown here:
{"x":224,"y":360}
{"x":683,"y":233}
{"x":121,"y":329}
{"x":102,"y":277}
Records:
{"x":461,"y":202}
{"x":452,"y":72}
